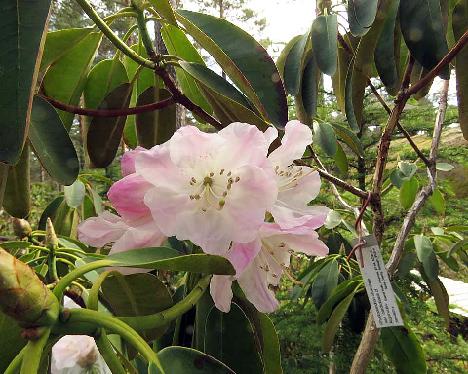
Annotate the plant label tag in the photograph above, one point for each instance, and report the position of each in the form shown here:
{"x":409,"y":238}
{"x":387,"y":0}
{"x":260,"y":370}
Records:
{"x":384,"y":307}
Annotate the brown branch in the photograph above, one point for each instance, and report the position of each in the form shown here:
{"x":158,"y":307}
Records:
{"x":438,"y":68}
{"x":371,"y":333}
{"x":109,"y":112}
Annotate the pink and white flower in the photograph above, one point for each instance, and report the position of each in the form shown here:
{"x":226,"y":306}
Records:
{"x":211,"y":189}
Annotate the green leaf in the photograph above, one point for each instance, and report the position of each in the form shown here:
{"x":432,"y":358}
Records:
{"x":333,"y":323}
{"x":17,"y":199}
{"x":385,"y":55}
{"x":158,"y":126}
{"x":230,"y":336}
{"x":324,"y":43}
{"x":137,"y":295}
{"x":423,"y":31}
{"x":280,"y":62}
{"x":170,"y":259}
{"x":460,"y":25}
{"x":52,"y":144}
{"x":270,"y":346}
{"x":49,"y":212}
{"x":348,"y":99}
{"x":309,"y":90}
{"x":66,"y":77}
{"x":361,"y":15}
{"x":437,"y":200}
{"x":12,"y":342}
{"x":182,"y":360}
{"x":407,"y":168}
{"x":341,"y":160}
{"x":324,"y":283}
{"x":349,"y":138}
{"x":333,"y":219}
{"x":339,"y":78}
{"x":3,"y":180}
{"x":443,"y":166}
{"x":441,"y":298}
{"x":65,"y":220}
{"x":22,"y":26}
{"x":408,"y":192}
{"x":293,"y":65}
{"x":344,"y":289}
{"x":105,"y":133}
{"x":401,"y":345}
{"x":325,"y":137}
{"x":74,"y":194}
{"x":178,"y":44}
{"x":417,"y":73}
{"x":164,"y":9}
{"x":426,"y":256}
{"x":243,"y":59}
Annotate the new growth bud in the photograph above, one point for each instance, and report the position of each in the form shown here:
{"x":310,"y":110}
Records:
{"x":23,"y":296}
{"x":51,"y":237}
{"x":21,"y":228}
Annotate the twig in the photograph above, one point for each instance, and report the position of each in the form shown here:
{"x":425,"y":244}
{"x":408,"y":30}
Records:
{"x":109,"y":112}
{"x":371,"y":333}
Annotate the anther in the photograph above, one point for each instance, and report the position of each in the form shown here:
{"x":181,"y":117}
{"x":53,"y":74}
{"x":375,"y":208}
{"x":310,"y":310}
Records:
{"x":237,"y":179}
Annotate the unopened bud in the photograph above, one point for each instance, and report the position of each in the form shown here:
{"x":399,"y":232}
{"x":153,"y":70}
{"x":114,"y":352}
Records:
{"x":51,"y":237}
{"x":23,"y":296}
{"x":21,"y":228}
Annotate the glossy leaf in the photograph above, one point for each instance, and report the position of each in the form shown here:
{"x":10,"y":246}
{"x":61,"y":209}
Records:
{"x":349,"y":99}
{"x":243,"y":59}
{"x":178,"y":44}
{"x":423,"y":31}
{"x":182,"y":360}
{"x":385,"y":55}
{"x":408,"y":192}
{"x":309,"y":89}
{"x":324,"y":43}
{"x":361,"y":15}
{"x":325,"y":137}
{"x":12,"y":342}
{"x":22,"y":28}
{"x":324,"y":283}
{"x":270,"y":346}
{"x":426,"y":256}
{"x":293,"y":65}
{"x":280,"y":62}
{"x":137,"y":295}
{"x":74,"y":194}
{"x":333,"y":323}
{"x":158,"y":126}
{"x":230,"y":336}
{"x":17,"y":199}
{"x":460,"y":25}
{"x":49,"y":212}
{"x":341,"y":160}
{"x":65,"y":220}
{"x":105,"y":133}
{"x":170,"y":259}
{"x":52,"y":144}
{"x":401,"y":345}
{"x":349,"y":138}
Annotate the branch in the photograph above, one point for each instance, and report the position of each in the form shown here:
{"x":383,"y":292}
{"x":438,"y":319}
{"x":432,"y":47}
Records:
{"x":371,"y":333}
{"x":109,"y":112}
{"x":438,"y":68}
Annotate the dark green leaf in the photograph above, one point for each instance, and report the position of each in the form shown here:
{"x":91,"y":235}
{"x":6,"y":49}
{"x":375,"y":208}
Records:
{"x":270,"y":346}
{"x":158,"y":126}
{"x":243,"y":59}
{"x":341,"y":159}
{"x":426,"y":256}
{"x":408,"y":192}
{"x":52,"y":144}
{"x":229,"y":337}
{"x":284,"y":54}
{"x":324,"y":283}
{"x":407,"y":264}
{"x":348,"y":99}
{"x":66,"y":77}
{"x":137,"y":295}
{"x":309,"y":89}
{"x":105,"y":133}
{"x":325,"y":137}
{"x":74,"y":194}
{"x":324,"y":42}
{"x":49,"y":212}
{"x":441,"y":298}
{"x":65,"y":220}
{"x":401,"y":345}
{"x":460,"y":25}
{"x":22,"y":28}
{"x":349,"y":138}
{"x":361,"y":15}
{"x":423,"y":31}
{"x":385,"y":55}
{"x":12,"y":342}
{"x":182,"y":360}
{"x":293,"y":65}
{"x":17,"y":200}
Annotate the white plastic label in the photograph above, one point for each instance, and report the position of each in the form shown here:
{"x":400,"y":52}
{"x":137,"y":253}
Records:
{"x":384,"y":307}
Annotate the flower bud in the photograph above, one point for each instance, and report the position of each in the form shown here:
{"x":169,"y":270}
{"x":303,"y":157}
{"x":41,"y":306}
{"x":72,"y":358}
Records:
{"x":21,"y":228}
{"x":23,"y":296}
{"x":51,"y":237}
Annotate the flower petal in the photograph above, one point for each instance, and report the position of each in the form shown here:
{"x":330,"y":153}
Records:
{"x":221,"y":292}
{"x":100,"y":230}
{"x":127,"y":162}
{"x":141,"y":236}
{"x":289,"y":217}
{"x":242,"y":254}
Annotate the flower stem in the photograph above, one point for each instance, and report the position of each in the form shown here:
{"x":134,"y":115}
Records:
{"x":159,"y":319}
{"x":116,"y":326}
{"x":33,"y":353}
{"x":15,"y":364}
{"x":107,"y":351}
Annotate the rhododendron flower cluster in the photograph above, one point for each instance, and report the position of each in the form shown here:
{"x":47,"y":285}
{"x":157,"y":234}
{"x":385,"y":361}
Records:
{"x":223,"y":192}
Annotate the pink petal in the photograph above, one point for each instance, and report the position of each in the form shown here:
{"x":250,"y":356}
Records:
{"x":304,"y":190}
{"x":127,"y":197}
{"x":139,"y":236}
{"x":98,"y":231}
{"x":127,"y":162}
{"x":242,"y":254}
{"x":221,"y":292}
{"x":296,"y":138}
{"x":289,"y":217}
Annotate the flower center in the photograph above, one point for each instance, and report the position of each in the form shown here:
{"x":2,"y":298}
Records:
{"x":210,"y":192}
{"x":289,"y":177}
